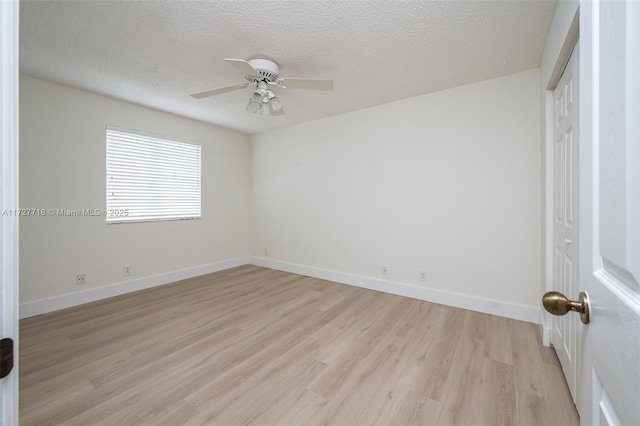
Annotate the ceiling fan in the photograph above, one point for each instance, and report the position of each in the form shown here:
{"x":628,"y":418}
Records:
{"x":262,"y":73}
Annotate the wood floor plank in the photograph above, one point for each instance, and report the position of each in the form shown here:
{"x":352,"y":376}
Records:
{"x":461,"y":404}
{"x":499,"y":340}
{"x":438,"y":362}
{"x":527,"y":360}
{"x":498,"y":385}
{"x":252,"y":345}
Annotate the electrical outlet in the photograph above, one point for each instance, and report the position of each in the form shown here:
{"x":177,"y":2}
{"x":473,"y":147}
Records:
{"x":126,"y":271}
{"x":423,"y":275}
{"x":81,"y":279}
{"x":266,"y":251}
{"x":384,"y":270}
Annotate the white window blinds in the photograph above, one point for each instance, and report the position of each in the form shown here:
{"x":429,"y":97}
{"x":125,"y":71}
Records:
{"x":151,"y":179}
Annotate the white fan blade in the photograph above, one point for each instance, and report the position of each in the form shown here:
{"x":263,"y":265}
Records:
{"x":244,"y":67}
{"x":219,"y":90}
{"x":306,"y":83}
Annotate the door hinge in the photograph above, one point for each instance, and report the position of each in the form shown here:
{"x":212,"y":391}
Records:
{"x":6,"y":357}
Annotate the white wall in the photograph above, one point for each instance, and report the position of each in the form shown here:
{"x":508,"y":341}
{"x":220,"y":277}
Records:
{"x":62,"y":165}
{"x":447,"y":182}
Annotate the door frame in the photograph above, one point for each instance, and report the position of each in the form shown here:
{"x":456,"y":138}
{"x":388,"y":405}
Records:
{"x":9,"y":125}
{"x":565,"y":330}
{"x":563,"y":37}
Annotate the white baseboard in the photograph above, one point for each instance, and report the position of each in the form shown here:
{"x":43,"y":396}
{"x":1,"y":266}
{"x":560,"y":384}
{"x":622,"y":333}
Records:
{"x":473,"y":303}
{"x":55,"y":303}
{"x":545,"y":328}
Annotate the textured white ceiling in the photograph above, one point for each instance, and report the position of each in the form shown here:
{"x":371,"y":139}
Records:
{"x":156,"y":53}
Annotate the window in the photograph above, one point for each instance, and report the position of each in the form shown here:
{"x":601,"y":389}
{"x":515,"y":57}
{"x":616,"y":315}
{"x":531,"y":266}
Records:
{"x":151,"y":179}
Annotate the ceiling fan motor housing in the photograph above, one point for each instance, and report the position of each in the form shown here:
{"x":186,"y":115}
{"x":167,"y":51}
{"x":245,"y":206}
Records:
{"x":263,"y":72}
{"x":267,"y":69}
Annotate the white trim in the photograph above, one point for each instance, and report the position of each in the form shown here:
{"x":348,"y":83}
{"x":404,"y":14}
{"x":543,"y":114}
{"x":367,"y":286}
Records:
{"x":9,"y":151}
{"x":545,"y":330}
{"x":473,"y":303}
{"x":561,"y":40}
{"x":68,"y":300}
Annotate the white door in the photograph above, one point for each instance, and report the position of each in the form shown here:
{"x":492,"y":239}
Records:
{"x":566,"y":143}
{"x":9,"y":202}
{"x":609,"y":350}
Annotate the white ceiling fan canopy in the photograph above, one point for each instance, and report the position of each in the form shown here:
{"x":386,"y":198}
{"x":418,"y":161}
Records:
{"x":267,"y":68}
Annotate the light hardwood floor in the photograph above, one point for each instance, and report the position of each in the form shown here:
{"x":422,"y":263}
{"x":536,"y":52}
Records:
{"x":256,"y":346}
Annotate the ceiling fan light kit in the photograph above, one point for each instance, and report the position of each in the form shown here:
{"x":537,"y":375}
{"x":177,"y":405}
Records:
{"x":264,"y":102}
{"x":264,"y":72}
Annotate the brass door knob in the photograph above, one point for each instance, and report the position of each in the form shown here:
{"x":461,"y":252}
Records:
{"x":558,"y":304}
